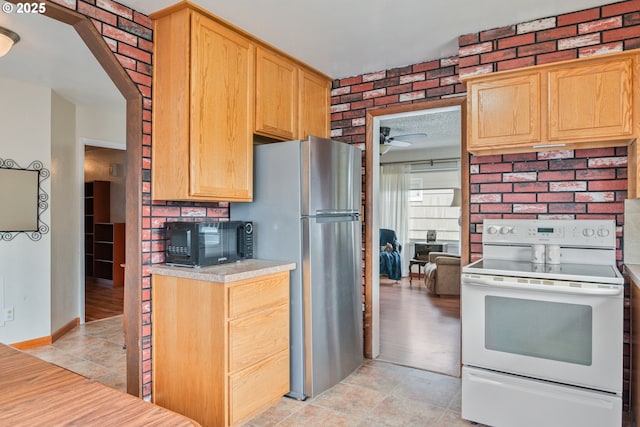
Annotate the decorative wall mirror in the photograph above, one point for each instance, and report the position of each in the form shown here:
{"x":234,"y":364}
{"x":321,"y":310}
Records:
{"x":22,"y":200}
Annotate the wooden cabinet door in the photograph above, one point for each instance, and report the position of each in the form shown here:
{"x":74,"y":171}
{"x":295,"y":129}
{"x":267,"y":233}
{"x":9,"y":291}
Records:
{"x":276,"y":96}
{"x":593,"y":100}
{"x":189,"y":333}
{"x":221,"y":125}
{"x":313,"y":103}
{"x":504,"y":111}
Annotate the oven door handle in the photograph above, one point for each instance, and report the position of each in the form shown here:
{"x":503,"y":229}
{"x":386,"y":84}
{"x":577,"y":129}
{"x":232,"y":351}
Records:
{"x":505,"y":283}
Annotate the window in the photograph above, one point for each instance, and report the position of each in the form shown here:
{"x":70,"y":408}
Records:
{"x":432,"y":210}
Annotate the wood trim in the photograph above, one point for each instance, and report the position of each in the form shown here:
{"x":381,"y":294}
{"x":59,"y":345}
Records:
{"x":133,"y":250}
{"x":369,"y":233}
{"x":133,"y":274}
{"x":64,"y":329}
{"x":34,"y":343}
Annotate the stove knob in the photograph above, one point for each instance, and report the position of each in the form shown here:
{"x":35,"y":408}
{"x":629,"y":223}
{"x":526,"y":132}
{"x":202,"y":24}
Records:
{"x":492,"y":230}
{"x":505,"y":230}
{"x":603,"y":232}
{"x":588,"y":232}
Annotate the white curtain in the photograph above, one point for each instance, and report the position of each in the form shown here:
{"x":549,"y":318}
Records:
{"x":394,"y":203}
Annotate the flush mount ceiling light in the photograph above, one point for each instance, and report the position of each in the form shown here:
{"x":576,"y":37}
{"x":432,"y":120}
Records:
{"x":7,"y":39}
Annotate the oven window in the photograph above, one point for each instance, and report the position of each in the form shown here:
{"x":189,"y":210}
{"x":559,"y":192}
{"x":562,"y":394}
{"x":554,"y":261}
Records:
{"x":548,"y":330}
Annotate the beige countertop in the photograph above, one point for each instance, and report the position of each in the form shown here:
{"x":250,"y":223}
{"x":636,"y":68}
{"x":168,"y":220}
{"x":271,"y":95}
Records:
{"x":225,"y":273}
{"x":633,"y":270}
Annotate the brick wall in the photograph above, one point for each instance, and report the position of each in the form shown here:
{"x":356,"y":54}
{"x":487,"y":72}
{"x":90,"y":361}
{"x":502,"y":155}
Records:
{"x":609,"y":28}
{"x":571,"y":184}
{"x":352,"y":97}
{"x":129,"y":35}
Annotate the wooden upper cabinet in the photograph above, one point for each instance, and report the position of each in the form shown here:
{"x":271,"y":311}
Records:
{"x":591,"y":100}
{"x":292,"y":101}
{"x":582,"y":103}
{"x":314,"y":94}
{"x":505,"y":111}
{"x":221,"y":153}
{"x":214,"y":87}
{"x":276,"y":95}
{"x":203,"y":109}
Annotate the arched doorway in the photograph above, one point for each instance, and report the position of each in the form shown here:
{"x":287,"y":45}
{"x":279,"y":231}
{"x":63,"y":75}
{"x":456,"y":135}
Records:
{"x":132,"y":299}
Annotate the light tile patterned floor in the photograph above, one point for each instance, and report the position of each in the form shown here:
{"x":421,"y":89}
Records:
{"x":94,"y":350}
{"x":377,"y":394}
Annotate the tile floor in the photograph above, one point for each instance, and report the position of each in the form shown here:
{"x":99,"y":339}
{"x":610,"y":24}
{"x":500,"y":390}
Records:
{"x":377,"y":394}
{"x":94,"y":350}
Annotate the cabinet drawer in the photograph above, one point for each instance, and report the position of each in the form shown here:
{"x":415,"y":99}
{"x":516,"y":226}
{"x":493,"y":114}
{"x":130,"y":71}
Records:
{"x":255,"y":338}
{"x":268,"y":292}
{"x":254,"y":388}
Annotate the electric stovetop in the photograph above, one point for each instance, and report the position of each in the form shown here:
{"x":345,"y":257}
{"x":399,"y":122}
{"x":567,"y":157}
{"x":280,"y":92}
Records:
{"x":591,"y":273}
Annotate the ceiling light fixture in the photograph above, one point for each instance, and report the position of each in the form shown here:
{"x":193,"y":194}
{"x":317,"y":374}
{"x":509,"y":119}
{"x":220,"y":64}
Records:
{"x":7,"y":39}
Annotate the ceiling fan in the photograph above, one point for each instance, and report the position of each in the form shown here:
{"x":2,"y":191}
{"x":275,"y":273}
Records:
{"x":386,"y":142}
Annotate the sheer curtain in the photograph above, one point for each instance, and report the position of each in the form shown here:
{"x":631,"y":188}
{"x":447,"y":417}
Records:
{"x":394,"y":204}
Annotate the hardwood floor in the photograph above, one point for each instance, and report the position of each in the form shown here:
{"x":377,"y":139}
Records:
{"x":102,"y":300}
{"x":418,"y":329}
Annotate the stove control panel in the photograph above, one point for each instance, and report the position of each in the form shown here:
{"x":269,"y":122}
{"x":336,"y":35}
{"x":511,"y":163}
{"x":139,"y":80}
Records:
{"x":578,"y":233}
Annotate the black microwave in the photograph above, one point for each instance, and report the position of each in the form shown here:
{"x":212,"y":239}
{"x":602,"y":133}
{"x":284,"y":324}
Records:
{"x":199,"y":244}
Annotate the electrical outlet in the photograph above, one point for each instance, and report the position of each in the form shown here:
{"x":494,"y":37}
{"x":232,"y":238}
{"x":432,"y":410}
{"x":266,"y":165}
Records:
{"x":8,"y":314}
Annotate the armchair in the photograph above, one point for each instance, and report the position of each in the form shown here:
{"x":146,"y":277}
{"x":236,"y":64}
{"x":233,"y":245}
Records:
{"x":390,"y":260}
{"x":442,"y":275}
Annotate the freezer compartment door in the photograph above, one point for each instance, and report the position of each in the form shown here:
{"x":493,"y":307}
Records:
{"x":503,"y":400}
{"x":332,"y":277}
{"x":331,"y":177}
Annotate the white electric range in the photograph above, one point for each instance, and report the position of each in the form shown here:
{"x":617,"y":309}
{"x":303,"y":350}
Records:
{"x":542,"y":325}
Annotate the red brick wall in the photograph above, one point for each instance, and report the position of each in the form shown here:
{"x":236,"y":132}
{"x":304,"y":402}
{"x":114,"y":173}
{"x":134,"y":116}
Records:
{"x":580,"y":184}
{"x":352,"y":97}
{"x":129,"y":35}
{"x":609,"y":28}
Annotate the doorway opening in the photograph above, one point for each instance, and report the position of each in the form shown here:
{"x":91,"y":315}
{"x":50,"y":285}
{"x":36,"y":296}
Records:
{"x":405,"y":323}
{"x":104,"y":229}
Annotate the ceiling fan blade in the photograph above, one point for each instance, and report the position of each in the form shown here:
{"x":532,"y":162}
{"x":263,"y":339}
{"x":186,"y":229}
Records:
{"x":394,"y":142}
{"x":410,"y":137}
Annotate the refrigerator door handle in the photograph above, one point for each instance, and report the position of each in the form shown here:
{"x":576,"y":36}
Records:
{"x":329,"y":212}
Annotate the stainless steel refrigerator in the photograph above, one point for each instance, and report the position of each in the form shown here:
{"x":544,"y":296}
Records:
{"x":306,"y":209}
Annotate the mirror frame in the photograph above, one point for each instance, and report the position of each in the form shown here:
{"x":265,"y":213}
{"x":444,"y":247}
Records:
{"x":42,"y":201}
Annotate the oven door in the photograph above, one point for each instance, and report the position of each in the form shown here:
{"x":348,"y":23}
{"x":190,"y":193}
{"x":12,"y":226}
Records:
{"x":559,"y":331}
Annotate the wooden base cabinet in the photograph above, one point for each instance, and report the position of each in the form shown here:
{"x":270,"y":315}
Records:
{"x":220,"y":350}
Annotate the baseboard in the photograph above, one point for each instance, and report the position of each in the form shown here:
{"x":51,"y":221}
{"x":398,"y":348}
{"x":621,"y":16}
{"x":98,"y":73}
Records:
{"x":36,"y":342}
{"x":66,"y":328}
{"x":39,"y":342}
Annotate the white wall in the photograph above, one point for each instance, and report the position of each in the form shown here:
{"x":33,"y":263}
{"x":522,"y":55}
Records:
{"x":25,"y":265}
{"x":103,"y":124}
{"x":106,"y":126}
{"x":66,"y":222}
{"x":44,"y":280}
